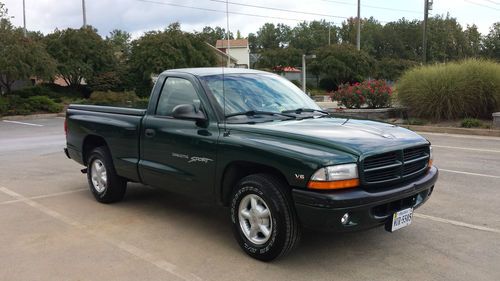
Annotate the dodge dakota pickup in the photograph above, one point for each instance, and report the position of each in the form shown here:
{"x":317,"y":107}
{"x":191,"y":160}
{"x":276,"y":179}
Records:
{"x":252,"y":141}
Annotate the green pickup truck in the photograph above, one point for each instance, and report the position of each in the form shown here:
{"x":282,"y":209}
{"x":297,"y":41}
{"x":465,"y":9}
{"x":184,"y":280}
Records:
{"x":252,"y":141}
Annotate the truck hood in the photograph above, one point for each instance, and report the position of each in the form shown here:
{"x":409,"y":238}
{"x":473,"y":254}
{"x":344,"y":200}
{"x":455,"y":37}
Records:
{"x":359,"y":137}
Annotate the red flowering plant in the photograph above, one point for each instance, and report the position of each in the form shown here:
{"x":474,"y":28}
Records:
{"x":373,"y":93}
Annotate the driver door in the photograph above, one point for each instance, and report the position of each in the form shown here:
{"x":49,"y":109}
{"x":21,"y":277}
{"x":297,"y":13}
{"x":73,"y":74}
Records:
{"x":178,"y":155}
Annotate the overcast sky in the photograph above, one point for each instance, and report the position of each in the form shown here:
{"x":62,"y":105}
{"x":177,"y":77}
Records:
{"x":137,"y":16}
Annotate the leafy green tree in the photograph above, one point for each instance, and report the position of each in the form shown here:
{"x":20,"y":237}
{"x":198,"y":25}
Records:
{"x":446,"y":39}
{"x":119,"y":40}
{"x":157,"y":51}
{"x":271,"y":36}
{"x":473,"y":44}
{"x":81,"y":54}
{"x":3,"y":11}
{"x":344,"y":63}
{"x":21,"y":58}
{"x":308,"y":36}
{"x":371,"y":34}
{"x":211,"y":35}
{"x":279,"y":57}
{"x":492,"y":42}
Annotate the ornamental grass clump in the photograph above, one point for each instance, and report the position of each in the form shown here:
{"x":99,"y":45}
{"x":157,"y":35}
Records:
{"x":469,"y":88}
{"x":372,"y":93}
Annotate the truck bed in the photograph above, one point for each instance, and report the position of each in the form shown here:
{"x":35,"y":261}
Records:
{"x":120,"y":127}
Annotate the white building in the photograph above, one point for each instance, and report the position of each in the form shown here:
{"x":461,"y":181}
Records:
{"x":238,"y":49}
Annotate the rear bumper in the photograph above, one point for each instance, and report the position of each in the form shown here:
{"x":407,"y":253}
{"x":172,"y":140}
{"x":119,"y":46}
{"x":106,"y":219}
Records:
{"x":323,"y":211}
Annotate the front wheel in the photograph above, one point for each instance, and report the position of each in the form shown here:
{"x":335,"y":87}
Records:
{"x":264,"y":222}
{"x":105,"y":184}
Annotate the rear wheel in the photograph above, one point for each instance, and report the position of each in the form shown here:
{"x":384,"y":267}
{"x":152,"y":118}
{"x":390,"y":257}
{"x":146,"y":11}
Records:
{"x":264,"y":222}
{"x":105,"y":184}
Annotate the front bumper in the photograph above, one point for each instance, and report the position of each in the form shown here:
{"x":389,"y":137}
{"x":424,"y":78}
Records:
{"x":323,"y":211}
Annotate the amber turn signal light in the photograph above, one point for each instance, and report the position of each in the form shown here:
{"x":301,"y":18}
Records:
{"x":340,"y":184}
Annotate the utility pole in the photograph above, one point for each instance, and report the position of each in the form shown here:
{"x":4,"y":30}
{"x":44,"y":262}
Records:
{"x":84,"y":14}
{"x":427,"y":6}
{"x":24,"y":18}
{"x":304,"y":73}
{"x":304,"y":82}
{"x":358,"y":35}
{"x":227,"y":36}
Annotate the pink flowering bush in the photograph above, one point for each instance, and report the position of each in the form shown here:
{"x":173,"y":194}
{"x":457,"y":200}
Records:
{"x":373,"y":93}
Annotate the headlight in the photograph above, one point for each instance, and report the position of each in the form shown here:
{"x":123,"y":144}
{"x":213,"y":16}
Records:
{"x":335,"y":177}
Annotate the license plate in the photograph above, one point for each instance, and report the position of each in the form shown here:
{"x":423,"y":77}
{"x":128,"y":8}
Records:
{"x":401,"y":219}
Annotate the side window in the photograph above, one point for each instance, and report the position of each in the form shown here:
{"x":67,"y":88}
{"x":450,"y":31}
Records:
{"x":176,"y":91}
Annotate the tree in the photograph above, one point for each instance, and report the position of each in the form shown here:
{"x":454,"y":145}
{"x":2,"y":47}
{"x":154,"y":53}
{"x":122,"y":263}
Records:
{"x":21,"y":58}
{"x":119,"y":40}
{"x":312,"y":35}
{"x":271,"y":36}
{"x":158,"y":51}
{"x":492,"y":42}
{"x":81,"y":54}
{"x":473,"y":44}
{"x":3,"y":11}
{"x":344,"y":64}
{"x":211,"y":35}
{"x":279,"y":57}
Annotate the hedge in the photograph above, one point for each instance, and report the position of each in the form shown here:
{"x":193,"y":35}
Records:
{"x":466,"y":89}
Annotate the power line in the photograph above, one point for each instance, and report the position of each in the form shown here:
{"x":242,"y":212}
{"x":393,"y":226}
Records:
{"x":220,"y":11}
{"x":374,"y":7}
{"x":482,"y":5}
{"x":278,"y":9}
{"x":493,"y":2}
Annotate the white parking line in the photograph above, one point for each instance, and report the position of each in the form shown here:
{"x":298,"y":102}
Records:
{"x":466,"y":148}
{"x":470,"y":174}
{"x":22,"y":123}
{"x":458,"y":223}
{"x":132,"y":250}
{"x":45,"y":196}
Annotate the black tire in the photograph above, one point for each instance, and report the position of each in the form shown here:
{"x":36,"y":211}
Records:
{"x":115,"y":186}
{"x":285,"y":230}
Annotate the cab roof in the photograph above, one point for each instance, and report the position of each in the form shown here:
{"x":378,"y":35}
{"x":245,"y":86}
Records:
{"x":207,"y":71}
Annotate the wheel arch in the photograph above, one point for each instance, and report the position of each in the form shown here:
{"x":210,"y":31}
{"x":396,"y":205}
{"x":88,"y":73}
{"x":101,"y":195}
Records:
{"x":235,"y":171}
{"x":89,"y":143}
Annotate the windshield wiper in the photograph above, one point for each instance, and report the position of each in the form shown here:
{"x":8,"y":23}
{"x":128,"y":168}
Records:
{"x":300,"y":110}
{"x":256,"y":112}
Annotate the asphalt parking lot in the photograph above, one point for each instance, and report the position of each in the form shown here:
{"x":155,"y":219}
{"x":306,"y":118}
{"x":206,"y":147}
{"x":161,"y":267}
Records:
{"x":51,"y":228}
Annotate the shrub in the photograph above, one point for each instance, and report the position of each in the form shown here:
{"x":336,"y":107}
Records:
{"x":124,"y":99}
{"x":296,"y":83}
{"x":470,"y":88}
{"x":53,"y":91}
{"x":375,"y":93}
{"x":471,"y":123}
{"x":17,"y":105}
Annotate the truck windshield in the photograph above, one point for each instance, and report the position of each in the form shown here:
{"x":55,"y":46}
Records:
{"x":257,"y":92}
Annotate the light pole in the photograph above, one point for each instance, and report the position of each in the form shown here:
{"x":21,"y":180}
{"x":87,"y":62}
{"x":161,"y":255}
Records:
{"x":84,"y":14}
{"x":24,"y":18}
{"x":427,"y":7}
{"x":304,"y":82}
{"x":358,"y":35}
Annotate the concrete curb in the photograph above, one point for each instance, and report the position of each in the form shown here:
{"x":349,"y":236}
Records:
{"x":451,"y":130}
{"x":33,"y":116}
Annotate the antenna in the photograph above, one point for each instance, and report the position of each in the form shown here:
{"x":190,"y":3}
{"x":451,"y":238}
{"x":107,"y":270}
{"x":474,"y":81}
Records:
{"x":226,"y":133}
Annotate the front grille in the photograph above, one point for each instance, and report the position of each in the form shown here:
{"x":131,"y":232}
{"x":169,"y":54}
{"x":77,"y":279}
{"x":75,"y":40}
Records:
{"x":395,"y":166}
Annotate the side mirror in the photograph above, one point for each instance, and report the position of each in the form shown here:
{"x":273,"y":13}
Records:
{"x":188,"y":112}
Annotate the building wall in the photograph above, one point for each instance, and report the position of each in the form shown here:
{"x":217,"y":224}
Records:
{"x":242,"y":55}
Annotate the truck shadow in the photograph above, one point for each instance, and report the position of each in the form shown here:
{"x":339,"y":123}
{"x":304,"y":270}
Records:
{"x":316,"y":249}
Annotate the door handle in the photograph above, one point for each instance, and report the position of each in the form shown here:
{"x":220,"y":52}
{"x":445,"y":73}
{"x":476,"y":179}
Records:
{"x":149,"y":133}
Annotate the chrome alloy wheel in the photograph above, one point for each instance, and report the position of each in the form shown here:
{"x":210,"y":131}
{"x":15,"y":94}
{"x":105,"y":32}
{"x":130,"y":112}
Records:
{"x":255,"y":219}
{"x":98,"y":174}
